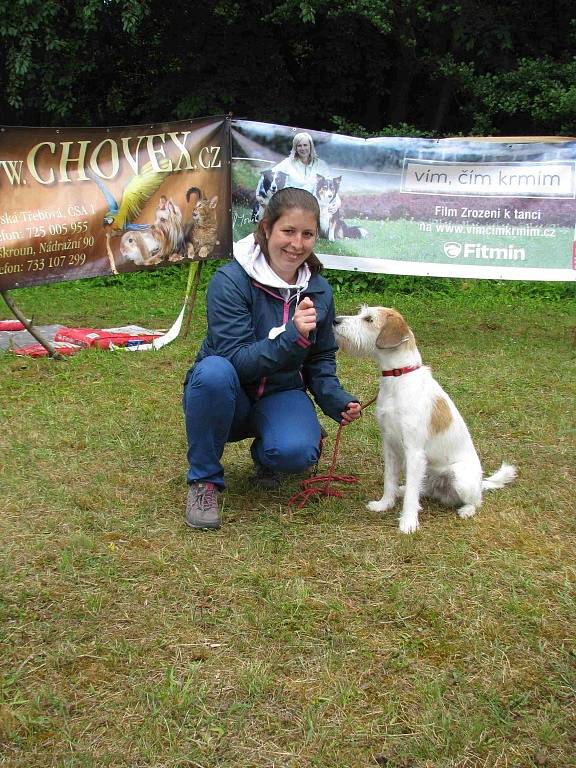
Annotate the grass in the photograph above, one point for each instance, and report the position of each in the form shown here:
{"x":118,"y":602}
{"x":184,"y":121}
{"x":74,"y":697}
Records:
{"x":317,"y":638}
{"x":393,"y":239}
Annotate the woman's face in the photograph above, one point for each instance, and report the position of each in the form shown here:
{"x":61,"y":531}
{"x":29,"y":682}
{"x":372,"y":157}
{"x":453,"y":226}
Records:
{"x":290,"y":242}
{"x":303,"y":151}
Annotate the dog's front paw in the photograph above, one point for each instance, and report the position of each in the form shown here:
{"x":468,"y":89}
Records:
{"x":380,"y":506}
{"x":409,"y":524}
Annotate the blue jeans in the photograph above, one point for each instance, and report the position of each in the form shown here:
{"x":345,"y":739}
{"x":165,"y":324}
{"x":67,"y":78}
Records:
{"x":217,"y":411}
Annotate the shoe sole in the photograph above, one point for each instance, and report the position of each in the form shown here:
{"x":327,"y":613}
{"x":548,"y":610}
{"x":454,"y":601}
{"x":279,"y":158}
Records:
{"x":202,"y":527}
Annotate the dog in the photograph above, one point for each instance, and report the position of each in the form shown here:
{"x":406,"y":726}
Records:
{"x":332,"y":224}
{"x":163,"y":240}
{"x":270,"y":182}
{"x":422,"y":431}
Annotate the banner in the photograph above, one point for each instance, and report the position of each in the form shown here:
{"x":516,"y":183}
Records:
{"x":84,"y":202}
{"x":452,"y":208}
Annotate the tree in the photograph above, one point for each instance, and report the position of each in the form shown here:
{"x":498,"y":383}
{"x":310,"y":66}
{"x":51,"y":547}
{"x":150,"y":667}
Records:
{"x":457,"y":66}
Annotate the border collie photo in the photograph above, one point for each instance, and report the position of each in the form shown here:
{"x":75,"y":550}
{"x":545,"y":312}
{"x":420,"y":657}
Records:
{"x":332,"y":224}
{"x":270,"y":182}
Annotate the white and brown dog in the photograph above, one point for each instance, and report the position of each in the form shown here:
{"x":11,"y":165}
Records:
{"x":423,"y":434}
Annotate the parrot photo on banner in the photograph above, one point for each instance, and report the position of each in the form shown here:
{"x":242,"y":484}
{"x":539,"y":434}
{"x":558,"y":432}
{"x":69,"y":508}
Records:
{"x":120,"y":216}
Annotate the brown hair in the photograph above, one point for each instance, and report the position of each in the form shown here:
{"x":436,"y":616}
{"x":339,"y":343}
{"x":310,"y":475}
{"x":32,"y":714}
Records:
{"x":280,"y":202}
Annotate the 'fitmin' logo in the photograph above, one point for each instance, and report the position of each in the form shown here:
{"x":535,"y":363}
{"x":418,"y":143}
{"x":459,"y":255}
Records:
{"x":478,"y":251}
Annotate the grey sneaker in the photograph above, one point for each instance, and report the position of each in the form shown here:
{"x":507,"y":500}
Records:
{"x":266,"y":478}
{"x":202,"y":506}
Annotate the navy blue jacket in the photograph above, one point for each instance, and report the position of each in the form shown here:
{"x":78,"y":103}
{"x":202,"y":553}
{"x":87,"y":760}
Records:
{"x":241,"y":313}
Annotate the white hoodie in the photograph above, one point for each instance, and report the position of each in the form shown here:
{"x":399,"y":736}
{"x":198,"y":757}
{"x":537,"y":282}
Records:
{"x":248,"y":254}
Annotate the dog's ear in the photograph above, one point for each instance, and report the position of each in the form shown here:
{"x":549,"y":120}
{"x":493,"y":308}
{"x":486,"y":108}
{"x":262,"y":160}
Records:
{"x":394,"y":332}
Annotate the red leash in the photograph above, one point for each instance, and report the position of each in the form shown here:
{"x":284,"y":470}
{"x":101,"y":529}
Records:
{"x":320,"y":484}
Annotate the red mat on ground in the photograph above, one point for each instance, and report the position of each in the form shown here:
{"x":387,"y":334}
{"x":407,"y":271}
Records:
{"x":37,"y":350}
{"x":95,"y":337}
{"x":11,"y":325}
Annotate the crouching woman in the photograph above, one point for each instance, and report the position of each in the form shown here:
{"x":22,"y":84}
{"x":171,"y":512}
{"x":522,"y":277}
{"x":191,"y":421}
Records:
{"x":269,"y":342}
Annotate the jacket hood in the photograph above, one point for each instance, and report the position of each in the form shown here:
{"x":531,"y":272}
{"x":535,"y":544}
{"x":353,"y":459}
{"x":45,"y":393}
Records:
{"x":248,"y":254}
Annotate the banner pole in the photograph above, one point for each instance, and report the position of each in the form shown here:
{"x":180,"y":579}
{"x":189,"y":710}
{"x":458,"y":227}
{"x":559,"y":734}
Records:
{"x":40,"y":338}
{"x":191,"y":290}
{"x":110,"y":255}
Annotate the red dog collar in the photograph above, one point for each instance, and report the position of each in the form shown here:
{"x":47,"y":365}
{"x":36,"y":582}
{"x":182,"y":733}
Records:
{"x":400,"y":371}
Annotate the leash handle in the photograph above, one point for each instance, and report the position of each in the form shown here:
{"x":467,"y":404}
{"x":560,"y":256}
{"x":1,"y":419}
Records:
{"x":312,"y":486}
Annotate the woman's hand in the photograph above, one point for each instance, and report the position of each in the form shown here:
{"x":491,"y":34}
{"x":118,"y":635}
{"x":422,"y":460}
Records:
{"x":352,"y":412}
{"x":305,"y":317}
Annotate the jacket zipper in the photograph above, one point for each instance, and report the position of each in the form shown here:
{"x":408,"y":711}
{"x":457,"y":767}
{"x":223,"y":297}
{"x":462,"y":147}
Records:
{"x":285,"y":315}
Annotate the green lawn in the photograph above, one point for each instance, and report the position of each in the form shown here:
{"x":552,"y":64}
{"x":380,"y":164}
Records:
{"x":313,"y":639}
{"x":407,"y":240}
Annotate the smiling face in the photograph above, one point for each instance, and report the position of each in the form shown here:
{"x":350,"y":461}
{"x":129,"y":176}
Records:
{"x":303,"y":151}
{"x":291,"y":240}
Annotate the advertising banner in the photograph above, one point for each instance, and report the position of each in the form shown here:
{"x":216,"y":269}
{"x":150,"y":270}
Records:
{"x":451,"y":208}
{"x":84,"y":202}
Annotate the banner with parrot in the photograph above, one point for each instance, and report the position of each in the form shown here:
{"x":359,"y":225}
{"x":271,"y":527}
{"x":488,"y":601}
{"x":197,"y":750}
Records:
{"x":86,"y":202}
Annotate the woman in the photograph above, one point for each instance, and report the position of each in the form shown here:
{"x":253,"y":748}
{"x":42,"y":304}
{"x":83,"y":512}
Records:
{"x":303,"y":164}
{"x":301,"y":167}
{"x":269,"y":340}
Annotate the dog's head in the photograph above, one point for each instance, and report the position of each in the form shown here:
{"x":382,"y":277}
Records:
{"x":373,"y":332}
{"x":267,"y":177}
{"x":273,"y":181}
{"x":279,"y":181}
{"x":327,"y":189}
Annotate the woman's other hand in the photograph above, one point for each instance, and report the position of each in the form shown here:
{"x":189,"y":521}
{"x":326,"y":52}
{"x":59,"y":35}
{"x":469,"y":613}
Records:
{"x":352,"y":412}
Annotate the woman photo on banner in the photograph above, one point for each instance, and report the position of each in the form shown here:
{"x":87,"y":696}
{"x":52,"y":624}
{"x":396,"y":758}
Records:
{"x":300,"y":169}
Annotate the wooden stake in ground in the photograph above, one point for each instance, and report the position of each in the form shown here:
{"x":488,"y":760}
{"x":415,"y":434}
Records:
{"x":191,"y":290}
{"x":38,"y":335}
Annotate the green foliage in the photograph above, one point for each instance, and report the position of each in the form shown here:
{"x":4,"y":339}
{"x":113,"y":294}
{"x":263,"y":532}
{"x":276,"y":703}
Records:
{"x":46,"y":67}
{"x":345,"y":283}
{"x":365,"y":67}
{"x":540,"y":89}
{"x":348,"y":128}
{"x":377,"y":13}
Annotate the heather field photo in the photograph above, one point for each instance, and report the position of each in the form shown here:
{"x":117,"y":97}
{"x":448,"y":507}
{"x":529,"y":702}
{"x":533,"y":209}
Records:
{"x":296,"y":638}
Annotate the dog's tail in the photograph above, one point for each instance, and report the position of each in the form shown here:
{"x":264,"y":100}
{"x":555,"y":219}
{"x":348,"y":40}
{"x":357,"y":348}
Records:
{"x":500,"y":478}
